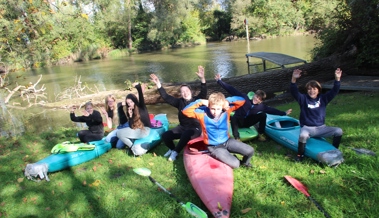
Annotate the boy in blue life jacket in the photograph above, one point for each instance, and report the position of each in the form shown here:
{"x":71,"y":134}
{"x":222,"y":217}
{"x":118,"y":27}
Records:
{"x":213,"y":115}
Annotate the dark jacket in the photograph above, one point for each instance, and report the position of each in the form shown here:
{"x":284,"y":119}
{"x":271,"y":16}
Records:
{"x":140,"y":103}
{"x":181,"y":103}
{"x":93,"y":121}
{"x":248,"y":108}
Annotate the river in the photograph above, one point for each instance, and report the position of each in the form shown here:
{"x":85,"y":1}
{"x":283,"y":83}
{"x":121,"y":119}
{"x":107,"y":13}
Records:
{"x":172,"y":65}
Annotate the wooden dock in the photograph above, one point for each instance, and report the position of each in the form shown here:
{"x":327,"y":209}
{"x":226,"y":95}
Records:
{"x":276,"y":58}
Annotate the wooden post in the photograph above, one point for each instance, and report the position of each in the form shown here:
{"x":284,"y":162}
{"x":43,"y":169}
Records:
{"x":247,"y":30}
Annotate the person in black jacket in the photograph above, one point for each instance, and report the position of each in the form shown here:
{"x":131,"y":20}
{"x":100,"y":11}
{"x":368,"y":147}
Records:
{"x":188,"y":128}
{"x":93,"y":120}
{"x":137,"y":116}
{"x":252,"y":112}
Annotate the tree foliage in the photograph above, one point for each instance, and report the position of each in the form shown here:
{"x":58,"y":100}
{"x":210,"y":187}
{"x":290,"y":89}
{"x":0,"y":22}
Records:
{"x":354,"y":32}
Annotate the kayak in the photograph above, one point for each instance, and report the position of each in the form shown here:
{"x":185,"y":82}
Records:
{"x":285,"y":130}
{"x":143,"y":145}
{"x":246,"y":134}
{"x":63,"y":160}
{"x":211,"y":179}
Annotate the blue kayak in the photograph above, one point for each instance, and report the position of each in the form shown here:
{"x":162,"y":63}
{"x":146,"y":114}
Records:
{"x":143,"y":145}
{"x":62,"y":161}
{"x":285,"y":130}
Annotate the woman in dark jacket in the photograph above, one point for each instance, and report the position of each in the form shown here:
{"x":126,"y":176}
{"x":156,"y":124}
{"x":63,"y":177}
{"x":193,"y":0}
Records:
{"x":138,"y":119}
{"x":93,"y":120}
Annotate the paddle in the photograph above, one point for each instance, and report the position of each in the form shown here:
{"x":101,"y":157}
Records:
{"x":190,"y":207}
{"x":299,"y":186}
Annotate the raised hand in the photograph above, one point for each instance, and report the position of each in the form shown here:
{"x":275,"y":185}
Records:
{"x":289,"y":111}
{"x":296,"y":74}
{"x":200,"y":73}
{"x":155,"y":79}
{"x":338,"y":74}
{"x":217,"y":77}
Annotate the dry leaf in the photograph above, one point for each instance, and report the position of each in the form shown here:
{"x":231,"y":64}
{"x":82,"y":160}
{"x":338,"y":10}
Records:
{"x":84,"y":182}
{"x":19,"y":180}
{"x":245,"y":210}
{"x":258,"y":214}
{"x":219,"y":206}
{"x":322,"y":171}
{"x":47,"y":208}
{"x":110,"y":161}
{"x":283,"y":203}
{"x":154,"y":154}
{"x":94,"y":168}
{"x":96,"y":183}
{"x":151,"y":164}
{"x":312,"y":171}
{"x":52,"y":192}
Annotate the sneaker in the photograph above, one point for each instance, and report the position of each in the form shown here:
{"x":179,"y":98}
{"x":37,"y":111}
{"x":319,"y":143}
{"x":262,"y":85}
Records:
{"x":299,"y":158}
{"x":238,"y":139}
{"x":173,"y":156}
{"x":168,"y":153}
{"x":262,"y":137}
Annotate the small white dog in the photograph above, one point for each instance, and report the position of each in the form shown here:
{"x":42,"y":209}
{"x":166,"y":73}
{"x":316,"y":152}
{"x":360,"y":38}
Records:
{"x":34,"y":170}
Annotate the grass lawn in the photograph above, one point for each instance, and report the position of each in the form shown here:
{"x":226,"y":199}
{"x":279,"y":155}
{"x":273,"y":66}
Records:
{"x":108,"y":187}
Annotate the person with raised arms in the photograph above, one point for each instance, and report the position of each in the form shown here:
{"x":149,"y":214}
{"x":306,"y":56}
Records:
{"x":188,"y":128}
{"x":252,"y":112}
{"x":313,"y":111}
{"x":138,"y":119}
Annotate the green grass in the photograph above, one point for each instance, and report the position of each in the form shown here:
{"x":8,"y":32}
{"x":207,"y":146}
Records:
{"x":350,"y":190}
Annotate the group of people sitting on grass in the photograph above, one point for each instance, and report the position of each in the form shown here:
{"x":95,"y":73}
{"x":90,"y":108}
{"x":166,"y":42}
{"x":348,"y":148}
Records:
{"x":196,"y":115}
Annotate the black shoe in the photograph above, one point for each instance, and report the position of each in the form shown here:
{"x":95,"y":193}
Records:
{"x":246,"y":165}
{"x":299,"y":158}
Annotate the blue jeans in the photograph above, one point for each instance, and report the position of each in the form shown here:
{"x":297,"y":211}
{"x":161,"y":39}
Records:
{"x":223,"y":152}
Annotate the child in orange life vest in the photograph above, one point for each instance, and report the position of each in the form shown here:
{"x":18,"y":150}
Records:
{"x":214,"y":115}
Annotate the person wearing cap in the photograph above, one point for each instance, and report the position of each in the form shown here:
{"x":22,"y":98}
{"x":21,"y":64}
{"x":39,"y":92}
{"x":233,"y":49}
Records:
{"x":188,"y":128}
{"x":313,"y":110}
{"x":252,"y":112}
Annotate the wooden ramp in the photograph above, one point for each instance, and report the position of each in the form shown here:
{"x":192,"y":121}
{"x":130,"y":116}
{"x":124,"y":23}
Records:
{"x":356,"y":83}
{"x":277,"y":58}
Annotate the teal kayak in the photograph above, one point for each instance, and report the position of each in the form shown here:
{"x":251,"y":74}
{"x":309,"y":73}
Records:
{"x":61,"y":161}
{"x":143,"y":145}
{"x":285,"y":130}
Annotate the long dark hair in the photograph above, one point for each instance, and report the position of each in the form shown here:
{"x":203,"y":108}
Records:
{"x":136,"y":117}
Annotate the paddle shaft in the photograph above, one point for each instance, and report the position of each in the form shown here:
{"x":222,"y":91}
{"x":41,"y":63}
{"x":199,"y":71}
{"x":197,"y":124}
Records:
{"x":319,"y":207}
{"x":190,"y":207}
{"x":163,"y":188}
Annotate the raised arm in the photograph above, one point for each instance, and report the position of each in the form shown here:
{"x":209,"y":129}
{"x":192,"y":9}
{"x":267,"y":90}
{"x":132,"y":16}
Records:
{"x":200,"y":73}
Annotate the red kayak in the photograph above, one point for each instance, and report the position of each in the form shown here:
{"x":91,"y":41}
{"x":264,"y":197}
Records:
{"x":212,"y":180}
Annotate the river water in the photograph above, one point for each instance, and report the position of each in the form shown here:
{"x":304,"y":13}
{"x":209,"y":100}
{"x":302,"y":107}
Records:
{"x":173,"y":65}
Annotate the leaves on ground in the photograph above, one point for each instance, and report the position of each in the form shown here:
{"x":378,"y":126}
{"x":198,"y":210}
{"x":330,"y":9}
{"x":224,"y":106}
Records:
{"x":245,"y":210}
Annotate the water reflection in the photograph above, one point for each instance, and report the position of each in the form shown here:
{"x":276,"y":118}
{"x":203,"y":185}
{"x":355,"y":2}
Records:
{"x":174,"y":65}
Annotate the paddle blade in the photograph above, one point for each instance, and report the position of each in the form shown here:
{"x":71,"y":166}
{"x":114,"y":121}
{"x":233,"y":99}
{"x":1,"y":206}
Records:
{"x":195,"y":210}
{"x":142,"y":171}
{"x":298,"y":185}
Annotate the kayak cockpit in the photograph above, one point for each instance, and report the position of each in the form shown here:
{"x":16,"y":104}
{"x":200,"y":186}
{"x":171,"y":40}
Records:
{"x":283,"y":123}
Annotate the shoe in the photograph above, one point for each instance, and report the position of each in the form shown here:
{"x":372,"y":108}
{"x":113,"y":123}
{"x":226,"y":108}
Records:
{"x":238,"y":139}
{"x":168,"y":153}
{"x":262,"y":137}
{"x":173,"y":156}
{"x":246,"y":165}
{"x":299,"y":158}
